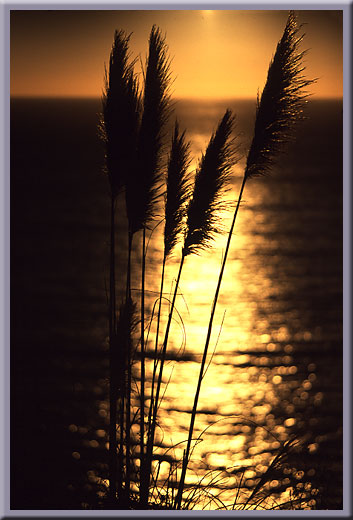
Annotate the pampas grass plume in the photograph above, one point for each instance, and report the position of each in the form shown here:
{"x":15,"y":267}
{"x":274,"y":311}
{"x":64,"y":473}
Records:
{"x":178,"y":190}
{"x":211,"y":180}
{"x":120,"y":117}
{"x":143,"y":189}
{"x":280,"y":105}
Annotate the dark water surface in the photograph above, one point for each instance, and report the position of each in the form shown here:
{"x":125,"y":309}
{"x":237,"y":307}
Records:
{"x":278,"y":361}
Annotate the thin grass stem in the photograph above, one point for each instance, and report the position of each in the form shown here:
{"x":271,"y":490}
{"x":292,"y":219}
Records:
{"x":163,"y":353}
{"x":142,"y":391}
{"x":150,"y":436}
{"x":113,"y":462}
{"x":156,"y":342}
{"x":128,"y":378}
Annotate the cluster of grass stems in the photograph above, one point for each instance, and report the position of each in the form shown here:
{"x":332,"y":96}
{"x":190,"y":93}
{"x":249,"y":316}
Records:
{"x":133,"y":127}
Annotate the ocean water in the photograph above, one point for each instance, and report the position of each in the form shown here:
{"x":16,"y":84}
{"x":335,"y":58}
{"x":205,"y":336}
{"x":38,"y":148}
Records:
{"x":276,"y":348}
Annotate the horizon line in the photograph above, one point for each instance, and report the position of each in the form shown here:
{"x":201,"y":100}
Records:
{"x":184,"y":98}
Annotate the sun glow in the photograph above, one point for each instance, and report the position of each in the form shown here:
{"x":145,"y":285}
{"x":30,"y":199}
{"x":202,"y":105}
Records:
{"x":217,"y":54}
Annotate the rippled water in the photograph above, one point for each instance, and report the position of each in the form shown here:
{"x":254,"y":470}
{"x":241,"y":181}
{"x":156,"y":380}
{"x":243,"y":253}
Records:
{"x":276,"y":347}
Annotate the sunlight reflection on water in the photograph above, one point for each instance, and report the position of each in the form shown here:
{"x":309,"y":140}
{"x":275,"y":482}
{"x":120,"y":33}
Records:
{"x":247,"y":375}
{"x":257,"y":391}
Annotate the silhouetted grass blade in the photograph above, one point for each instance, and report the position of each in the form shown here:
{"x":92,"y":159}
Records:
{"x":118,"y":128}
{"x":143,"y":188}
{"x":177,"y":195}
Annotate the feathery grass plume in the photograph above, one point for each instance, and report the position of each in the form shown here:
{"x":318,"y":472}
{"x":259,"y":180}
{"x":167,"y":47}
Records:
{"x":278,"y":109}
{"x":120,"y":117}
{"x":143,"y":188}
{"x":178,"y":190}
{"x":281,"y":101}
{"x":211,"y":180}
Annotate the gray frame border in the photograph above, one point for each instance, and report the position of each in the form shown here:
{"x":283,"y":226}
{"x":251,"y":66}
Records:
{"x":5,"y":8}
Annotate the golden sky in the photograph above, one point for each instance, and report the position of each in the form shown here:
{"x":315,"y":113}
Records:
{"x":215,"y":53}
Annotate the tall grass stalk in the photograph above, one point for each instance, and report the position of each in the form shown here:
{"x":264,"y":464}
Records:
{"x":118,"y":131}
{"x":176,"y":197}
{"x":144,"y":188}
{"x":277,"y":110}
{"x":142,"y":371}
